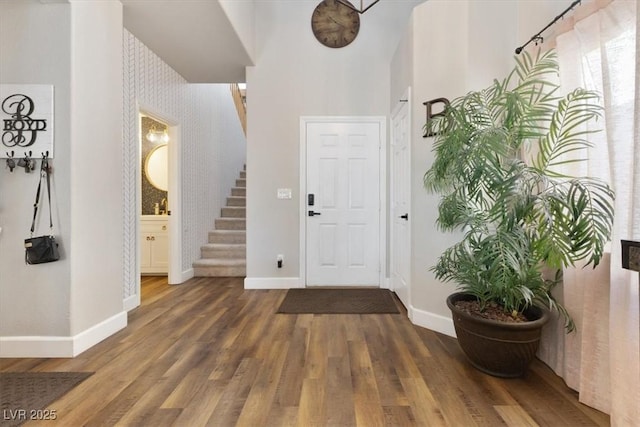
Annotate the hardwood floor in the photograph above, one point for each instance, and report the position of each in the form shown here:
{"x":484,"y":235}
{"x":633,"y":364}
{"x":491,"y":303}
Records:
{"x":210,"y":353}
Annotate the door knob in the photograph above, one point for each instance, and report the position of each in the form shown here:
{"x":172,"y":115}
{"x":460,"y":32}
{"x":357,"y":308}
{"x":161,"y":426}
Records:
{"x":312,"y":213}
{"x":405,"y":217}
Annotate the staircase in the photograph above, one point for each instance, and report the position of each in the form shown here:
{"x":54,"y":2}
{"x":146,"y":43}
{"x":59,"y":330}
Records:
{"x":226,"y":253}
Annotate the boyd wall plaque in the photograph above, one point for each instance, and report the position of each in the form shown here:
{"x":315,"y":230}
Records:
{"x":26,"y":120}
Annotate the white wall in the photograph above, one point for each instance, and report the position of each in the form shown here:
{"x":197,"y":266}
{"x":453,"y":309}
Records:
{"x":60,"y":309}
{"x":296,"y":76}
{"x":96,"y":163}
{"x":402,"y":65}
{"x":440,"y":64}
{"x":34,"y":300}
{"x":492,"y":39}
{"x":242,"y":16}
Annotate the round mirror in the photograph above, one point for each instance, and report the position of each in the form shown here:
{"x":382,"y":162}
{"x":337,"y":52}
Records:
{"x":156,"y":167}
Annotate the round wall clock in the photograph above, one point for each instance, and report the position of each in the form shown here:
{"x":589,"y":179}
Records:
{"x":334,"y":24}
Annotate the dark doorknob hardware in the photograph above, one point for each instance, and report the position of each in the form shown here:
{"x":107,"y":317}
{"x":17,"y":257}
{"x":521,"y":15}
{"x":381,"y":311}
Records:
{"x":405,"y":217}
{"x":312,"y":213}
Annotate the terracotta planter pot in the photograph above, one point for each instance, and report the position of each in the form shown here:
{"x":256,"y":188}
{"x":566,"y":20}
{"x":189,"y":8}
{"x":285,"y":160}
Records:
{"x":497,"y":348}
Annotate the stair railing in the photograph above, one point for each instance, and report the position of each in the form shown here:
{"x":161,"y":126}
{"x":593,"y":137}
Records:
{"x":239,"y":100}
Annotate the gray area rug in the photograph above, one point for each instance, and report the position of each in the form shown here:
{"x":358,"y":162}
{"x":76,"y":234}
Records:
{"x":25,"y":395}
{"x":338,"y":301}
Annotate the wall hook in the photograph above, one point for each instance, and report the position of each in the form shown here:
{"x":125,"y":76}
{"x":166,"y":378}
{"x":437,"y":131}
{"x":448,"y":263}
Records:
{"x":45,"y":161}
{"x":27,"y":162}
{"x":11,"y":163}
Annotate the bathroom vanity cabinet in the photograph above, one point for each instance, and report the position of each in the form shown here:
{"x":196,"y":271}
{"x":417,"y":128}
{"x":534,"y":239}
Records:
{"x":154,"y":244}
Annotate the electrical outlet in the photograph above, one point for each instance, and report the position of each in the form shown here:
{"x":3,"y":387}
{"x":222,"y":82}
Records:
{"x":280,"y":260}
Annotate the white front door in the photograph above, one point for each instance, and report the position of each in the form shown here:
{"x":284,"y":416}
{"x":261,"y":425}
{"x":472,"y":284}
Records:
{"x":343,"y":203}
{"x":400,"y":201}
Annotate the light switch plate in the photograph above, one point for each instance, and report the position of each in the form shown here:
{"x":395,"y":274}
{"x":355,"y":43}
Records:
{"x":284,"y":193}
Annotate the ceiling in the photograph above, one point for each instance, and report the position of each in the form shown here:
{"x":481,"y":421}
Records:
{"x":194,"y":37}
{"x":198,"y":40}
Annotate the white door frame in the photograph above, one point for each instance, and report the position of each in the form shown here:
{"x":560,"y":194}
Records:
{"x":382,"y":122}
{"x":175,"y":275}
{"x":406,"y":100}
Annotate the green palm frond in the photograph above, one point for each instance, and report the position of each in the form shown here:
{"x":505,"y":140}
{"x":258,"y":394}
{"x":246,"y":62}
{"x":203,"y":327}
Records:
{"x":565,"y":134}
{"x":518,"y":217}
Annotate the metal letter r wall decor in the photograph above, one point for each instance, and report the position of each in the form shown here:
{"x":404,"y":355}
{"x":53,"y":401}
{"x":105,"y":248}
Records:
{"x":428,"y":126}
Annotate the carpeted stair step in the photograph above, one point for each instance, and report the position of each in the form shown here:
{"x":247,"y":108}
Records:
{"x":228,"y":236}
{"x":241,"y":183}
{"x":220,"y":268}
{"x":231,"y":224}
{"x":234,"y":212}
{"x":243,"y":174}
{"x":236,"y":201}
{"x":224,"y":250}
{"x":239,"y":191}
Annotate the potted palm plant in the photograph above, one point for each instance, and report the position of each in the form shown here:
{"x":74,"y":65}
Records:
{"x":496,"y":168}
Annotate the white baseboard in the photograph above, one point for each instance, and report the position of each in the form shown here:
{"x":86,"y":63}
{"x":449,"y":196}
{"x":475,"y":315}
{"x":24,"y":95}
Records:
{"x":432,"y":321}
{"x":272,"y":283}
{"x":131,"y":302}
{"x":43,"y":346}
{"x":187,"y":274}
{"x":183,"y":277}
{"x":35,"y":346}
{"x":92,"y":336}
{"x":385,"y":284}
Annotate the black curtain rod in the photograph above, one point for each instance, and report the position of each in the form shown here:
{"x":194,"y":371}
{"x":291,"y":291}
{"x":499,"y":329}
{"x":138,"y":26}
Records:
{"x":538,"y":37}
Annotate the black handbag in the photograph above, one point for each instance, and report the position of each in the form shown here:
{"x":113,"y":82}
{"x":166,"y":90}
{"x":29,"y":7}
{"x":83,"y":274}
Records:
{"x":41,"y":249}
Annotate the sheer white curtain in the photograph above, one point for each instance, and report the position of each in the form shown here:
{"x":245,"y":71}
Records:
{"x":602,"y":359}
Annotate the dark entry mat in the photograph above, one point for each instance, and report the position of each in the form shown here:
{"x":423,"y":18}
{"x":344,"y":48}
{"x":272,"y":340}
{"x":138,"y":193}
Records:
{"x":338,"y":301}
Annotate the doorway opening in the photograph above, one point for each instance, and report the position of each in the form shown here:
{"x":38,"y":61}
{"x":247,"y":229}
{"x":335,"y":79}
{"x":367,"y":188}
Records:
{"x":158,"y":201}
{"x":154,"y":197}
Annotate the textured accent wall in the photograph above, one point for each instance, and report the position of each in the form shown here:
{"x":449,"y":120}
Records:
{"x":212,"y":148}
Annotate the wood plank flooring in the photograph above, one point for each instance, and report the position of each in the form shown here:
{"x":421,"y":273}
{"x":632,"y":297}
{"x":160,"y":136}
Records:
{"x":207,"y":352}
